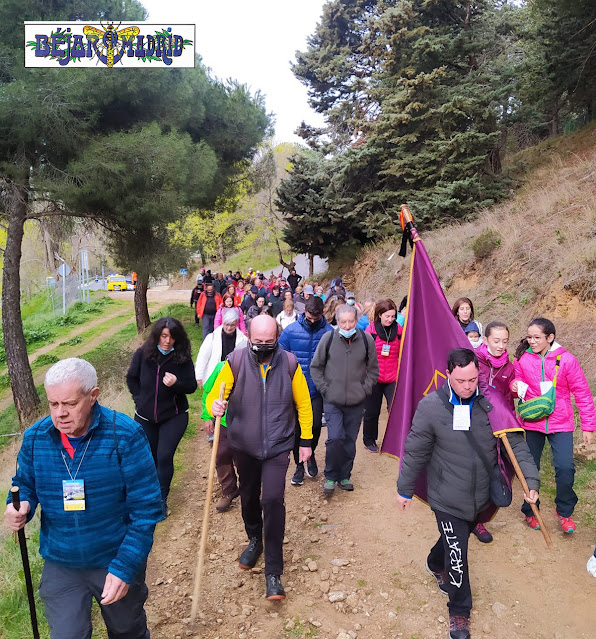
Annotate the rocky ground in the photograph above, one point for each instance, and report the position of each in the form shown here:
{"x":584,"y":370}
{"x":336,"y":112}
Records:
{"x":355,"y":568}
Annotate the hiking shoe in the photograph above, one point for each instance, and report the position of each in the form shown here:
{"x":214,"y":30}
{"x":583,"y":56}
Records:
{"x":459,"y":627}
{"x":248,"y":559}
{"x":532,"y":522}
{"x":441,"y":578}
{"x":298,"y":478}
{"x":312,"y":470}
{"x":483,"y":535}
{"x":225,"y":501}
{"x":329,"y":487}
{"x":275,"y":591}
{"x":346,"y":484}
{"x":567,"y":524}
{"x":373,"y":448}
{"x":210,"y":439}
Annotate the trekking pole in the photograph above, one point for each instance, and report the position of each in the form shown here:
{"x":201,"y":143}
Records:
{"x":207,"y":510}
{"x":16,"y":502}
{"x":522,"y":479}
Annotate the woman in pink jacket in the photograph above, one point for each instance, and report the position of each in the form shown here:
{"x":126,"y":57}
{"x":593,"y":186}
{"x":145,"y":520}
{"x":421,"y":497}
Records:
{"x":229,"y":302}
{"x":537,"y":360}
{"x":386,"y":332}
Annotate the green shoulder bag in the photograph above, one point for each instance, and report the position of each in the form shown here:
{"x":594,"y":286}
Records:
{"x":537,"y":408}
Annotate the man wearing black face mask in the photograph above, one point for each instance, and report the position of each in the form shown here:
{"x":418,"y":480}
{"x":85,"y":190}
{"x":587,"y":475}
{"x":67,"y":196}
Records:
{"x":302,"y":338}
{"x":261,"y":436}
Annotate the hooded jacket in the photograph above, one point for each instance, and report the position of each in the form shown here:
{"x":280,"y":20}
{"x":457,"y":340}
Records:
{"x":210,"y":352}
{"x":346,"y":375}
{"x":570,"y":380}
{"x":203,"y":300}
{"x":498,"y":372}
{"x":457,"y":480}
{"x":218,"y":321}
{"x":302,"y":340}
{"x":154,"y":401}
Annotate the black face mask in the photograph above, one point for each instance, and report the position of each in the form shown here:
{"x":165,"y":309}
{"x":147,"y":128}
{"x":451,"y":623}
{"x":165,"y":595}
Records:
{"x":263,"y":351}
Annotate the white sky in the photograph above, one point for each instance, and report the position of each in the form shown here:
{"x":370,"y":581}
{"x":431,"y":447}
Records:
{"x":252,"y":41}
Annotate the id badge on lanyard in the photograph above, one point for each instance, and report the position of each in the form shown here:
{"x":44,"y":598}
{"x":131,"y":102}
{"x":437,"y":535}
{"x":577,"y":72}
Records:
{"x":461,"y":417}
{"x":73,"y":494}
{"x":385,"y":350}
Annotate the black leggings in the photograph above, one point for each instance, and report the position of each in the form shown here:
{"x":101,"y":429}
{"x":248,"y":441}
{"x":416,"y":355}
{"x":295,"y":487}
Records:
{"x":164,"y":438}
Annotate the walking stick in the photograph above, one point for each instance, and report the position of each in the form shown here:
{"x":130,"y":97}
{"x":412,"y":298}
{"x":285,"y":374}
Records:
{"x":522,"y":479}
{"x":207,"y":510}
{"x":16,"y":502}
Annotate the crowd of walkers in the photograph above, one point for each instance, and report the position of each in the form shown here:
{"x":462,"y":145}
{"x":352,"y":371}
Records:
{"x":295,"y":359}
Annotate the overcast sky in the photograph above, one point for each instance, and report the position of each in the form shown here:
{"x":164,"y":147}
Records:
{"x":252,"y":41}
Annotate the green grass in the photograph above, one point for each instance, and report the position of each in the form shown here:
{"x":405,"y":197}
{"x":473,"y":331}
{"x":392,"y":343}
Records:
{"x":111,"y":359}
{"x":261,"y":258}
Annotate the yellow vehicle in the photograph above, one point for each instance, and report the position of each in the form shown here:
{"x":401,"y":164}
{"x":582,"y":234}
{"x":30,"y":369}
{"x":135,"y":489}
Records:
{"x":117,"y":283}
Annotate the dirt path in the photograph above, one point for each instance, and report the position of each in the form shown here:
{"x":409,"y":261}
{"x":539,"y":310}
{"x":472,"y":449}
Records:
{"x":520,"y":589}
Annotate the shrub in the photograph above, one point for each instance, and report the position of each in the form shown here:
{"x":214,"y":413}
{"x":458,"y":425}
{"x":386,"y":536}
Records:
{"x":73,"y":341}
{"x":44,"y":360}
{"x":485,"y":244}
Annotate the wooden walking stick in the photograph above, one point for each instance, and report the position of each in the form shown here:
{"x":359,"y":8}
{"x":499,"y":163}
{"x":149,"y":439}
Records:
{"x":16,"y":502}
{"x":522,"y":479}
{"x":206,"y":513}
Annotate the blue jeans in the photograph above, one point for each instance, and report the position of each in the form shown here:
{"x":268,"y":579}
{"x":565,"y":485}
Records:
{"x":561,"y":445}
{"x":208,"y":323}
{"x":343,"y":425}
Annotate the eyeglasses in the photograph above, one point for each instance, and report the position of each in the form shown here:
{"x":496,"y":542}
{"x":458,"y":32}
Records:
{"x":532,"y":338}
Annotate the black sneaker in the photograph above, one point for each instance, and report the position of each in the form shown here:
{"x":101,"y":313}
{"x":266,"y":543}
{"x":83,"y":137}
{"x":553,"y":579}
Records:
{"x":459,"y":627}
{"x":312,"y":470}
{"x":298,"y":478}
{"x":373,"y":448}
{"x":275,"y":591}
{"x":482,"y":534}
{"x":441,"y":578}
{"x":248,"y":559}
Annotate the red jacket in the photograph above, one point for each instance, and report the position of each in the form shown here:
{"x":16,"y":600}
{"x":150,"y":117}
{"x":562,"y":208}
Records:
{"x":387,"y":363}
{"x":203,"y":300}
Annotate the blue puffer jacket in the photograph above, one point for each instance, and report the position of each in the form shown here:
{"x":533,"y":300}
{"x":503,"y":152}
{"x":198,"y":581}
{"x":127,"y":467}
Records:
{"x":300,"y":339}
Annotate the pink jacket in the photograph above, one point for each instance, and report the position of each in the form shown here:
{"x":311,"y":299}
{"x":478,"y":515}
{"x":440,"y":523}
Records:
{"x":387,"y":363}
{"x":570,"y":379}
{"x":218,"y":318}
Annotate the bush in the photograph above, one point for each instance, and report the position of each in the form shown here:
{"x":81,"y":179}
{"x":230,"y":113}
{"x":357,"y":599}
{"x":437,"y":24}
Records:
{"x":34,"y":334}
{"x":68,"y":320}
{"x":485,"y":244}
{"x":73,"y":341}
{"x":45,"y":360}
{"x":4,"y":381}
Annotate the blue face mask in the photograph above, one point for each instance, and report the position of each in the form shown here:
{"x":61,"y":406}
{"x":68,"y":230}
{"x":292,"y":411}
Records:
{"x":351,"y":302}
{"x":161,"y":350}
{"x":347,"y":334}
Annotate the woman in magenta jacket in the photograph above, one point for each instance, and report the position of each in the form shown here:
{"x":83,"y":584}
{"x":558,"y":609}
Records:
{"x":535,"y":368}
{"x":386,"y":332}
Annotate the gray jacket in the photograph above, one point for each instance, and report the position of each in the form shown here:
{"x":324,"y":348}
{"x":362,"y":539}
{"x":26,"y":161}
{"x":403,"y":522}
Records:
{"x":347,"y":375}
{"x":457,"y":480}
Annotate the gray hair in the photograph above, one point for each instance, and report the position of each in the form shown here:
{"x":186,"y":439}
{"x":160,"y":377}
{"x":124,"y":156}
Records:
{"x":346,"y":308}
{"x":72,"y":369}
{"x":229,"y":316}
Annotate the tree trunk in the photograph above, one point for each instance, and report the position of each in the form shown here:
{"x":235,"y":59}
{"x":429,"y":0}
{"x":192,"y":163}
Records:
{"x":141,"y":309}
{"x":24,"y":393}
{"x":311,"y":265}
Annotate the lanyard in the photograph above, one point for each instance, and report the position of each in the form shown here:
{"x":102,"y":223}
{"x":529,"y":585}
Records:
{"x":79,"y":466}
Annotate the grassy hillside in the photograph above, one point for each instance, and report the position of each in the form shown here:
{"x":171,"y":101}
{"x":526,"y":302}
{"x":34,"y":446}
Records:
{"x":533,"y":255}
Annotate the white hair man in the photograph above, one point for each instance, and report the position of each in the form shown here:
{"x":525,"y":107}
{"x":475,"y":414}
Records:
{"x":91,"y":471}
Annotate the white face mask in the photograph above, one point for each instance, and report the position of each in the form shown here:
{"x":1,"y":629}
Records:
{"x":351,"y":302}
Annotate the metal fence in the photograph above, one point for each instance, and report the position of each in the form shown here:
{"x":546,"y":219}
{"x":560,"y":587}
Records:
{"x":64,"y":292}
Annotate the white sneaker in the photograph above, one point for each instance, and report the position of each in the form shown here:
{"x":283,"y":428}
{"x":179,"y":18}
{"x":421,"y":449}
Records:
{"x":591,"y":567}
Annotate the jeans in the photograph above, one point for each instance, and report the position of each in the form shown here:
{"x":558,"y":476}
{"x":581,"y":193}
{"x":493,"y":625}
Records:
{"x":372,"y":410}
{"x":343,"y":424}
{"x":208,"y":325}
{"x":317,"y":423}
{"x":561,"y":445}
{"x":262,"y":491}
{"x":450,"y":555}
{"x":164,"y":438}
{"x":68,"y":593}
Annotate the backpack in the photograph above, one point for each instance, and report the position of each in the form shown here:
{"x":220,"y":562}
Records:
{"x":328,"y":345}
